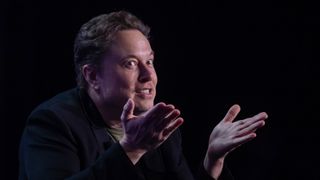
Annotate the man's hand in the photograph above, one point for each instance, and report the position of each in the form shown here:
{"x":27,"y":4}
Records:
{"x":228,"y":135}
{"x":149,"y":130}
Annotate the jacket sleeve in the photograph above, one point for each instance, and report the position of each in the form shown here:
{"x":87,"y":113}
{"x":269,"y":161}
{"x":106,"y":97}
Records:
{"x":174,"y":159}
{"x":182,"y":169}
{"x":225,"y":174}
{"x":48,"y":150}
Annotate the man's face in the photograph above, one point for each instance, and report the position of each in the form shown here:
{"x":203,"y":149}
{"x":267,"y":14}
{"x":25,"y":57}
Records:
{"x":127,"y":71}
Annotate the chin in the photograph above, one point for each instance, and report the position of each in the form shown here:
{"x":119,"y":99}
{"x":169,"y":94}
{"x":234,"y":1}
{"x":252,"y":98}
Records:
{"x":143,"y":107}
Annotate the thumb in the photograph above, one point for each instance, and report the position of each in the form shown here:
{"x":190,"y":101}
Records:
{"x":232,"y":113}
{"x":127,"y":111}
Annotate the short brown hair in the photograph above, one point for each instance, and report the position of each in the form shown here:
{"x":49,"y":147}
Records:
{"x":95,"y":37}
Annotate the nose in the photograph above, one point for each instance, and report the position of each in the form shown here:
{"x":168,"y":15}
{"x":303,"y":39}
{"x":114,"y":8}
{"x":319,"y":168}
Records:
{"x":146,"y":73}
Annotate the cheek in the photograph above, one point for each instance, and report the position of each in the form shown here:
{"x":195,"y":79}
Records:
{"x":126,"y":81}
{"x":121,"y":78}
{"x":155,"y":79}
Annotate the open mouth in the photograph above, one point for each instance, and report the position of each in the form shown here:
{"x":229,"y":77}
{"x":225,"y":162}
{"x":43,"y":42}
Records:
{"x":145,"y":91}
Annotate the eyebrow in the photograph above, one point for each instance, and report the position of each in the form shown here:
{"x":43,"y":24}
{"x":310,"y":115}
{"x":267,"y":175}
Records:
{"x":134,"y":56}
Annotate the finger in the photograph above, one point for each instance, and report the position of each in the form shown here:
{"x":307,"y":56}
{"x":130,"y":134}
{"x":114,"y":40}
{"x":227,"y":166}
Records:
{"x":166,"y":111}
{"x":159,"y":111}
{"x":157,"y":138}
{"x":249,"y":121}
{"x":241,"y":140}
{"x":232,"y":113}
{"x":250,"y":129}
{"x":174,"y":114}
{"x":127,"y":111}
{"x":172,"y":127}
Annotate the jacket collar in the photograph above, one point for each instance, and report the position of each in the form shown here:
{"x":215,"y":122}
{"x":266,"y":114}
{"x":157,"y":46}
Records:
{"x":90,"y":109}
{"x":95,"y":119}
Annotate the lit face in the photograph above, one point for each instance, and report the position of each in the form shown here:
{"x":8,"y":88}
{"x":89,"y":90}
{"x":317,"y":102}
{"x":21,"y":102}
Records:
{"x":127,"y":71}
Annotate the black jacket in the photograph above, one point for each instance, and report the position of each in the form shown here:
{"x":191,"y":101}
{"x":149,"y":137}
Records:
{"x":66,"y":138}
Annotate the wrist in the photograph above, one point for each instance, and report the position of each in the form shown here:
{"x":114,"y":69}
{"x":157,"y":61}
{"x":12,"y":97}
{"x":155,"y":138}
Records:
{"x":213,"y":166}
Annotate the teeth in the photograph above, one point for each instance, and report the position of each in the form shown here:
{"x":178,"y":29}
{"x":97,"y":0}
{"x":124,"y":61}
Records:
{"x":145,"y":91}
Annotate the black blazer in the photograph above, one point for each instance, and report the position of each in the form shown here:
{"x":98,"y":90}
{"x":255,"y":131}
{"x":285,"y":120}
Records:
{"x":66,"y":138}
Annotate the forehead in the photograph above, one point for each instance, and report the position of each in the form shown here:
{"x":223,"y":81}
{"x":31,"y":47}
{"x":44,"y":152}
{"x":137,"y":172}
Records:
{"x":131,"y":42}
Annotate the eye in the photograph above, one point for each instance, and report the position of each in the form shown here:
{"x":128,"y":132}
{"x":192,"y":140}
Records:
{"x":150,"y":62}
{"x":131,"y":64}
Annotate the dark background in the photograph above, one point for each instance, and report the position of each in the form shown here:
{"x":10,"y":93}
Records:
{"x":262,"y":55}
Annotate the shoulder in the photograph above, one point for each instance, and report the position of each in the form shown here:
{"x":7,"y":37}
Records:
{"x":60,"y":119}
{"x":62,"y":111}
{"x":65,"y":106}
{"x":59,"y":102}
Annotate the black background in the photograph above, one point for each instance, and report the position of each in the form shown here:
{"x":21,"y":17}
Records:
{"x":262,"y":55}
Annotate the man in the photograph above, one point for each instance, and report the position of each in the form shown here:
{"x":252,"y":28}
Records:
{"x":108,"y":127}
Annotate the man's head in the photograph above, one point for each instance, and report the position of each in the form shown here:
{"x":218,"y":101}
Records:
{"x":114,"y":59}
{"x":96,"y":36}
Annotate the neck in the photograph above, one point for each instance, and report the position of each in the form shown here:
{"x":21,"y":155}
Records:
{"x":110,"y":113}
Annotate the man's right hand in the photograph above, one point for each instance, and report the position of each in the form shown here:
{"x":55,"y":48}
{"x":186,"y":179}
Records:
{"x":148,"y":130}
{"x":228,"y":135}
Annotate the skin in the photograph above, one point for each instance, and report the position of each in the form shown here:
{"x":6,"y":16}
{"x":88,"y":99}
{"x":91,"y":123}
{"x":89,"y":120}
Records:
{"x":228,"y":135}
{"x":127,"y":76}
{"x":124,"y":87}
{"x":125,"y":72}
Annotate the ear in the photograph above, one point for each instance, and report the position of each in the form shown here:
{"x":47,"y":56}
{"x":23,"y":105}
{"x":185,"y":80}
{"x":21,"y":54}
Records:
{"x":90,"y":73}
